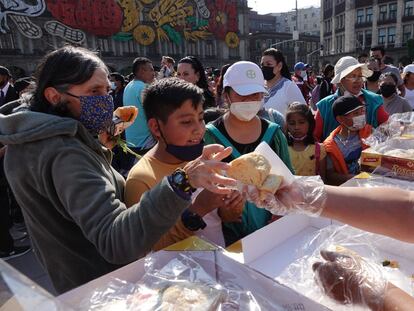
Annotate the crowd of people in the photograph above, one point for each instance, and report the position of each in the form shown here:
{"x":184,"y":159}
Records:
{"x":99,"y":208}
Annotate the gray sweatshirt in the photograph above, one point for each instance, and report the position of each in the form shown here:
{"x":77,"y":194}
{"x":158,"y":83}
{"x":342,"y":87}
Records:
{"x":72,"y":199}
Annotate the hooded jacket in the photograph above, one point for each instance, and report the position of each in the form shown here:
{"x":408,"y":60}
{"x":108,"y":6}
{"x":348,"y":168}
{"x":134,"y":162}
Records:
{"x":72,"y":199}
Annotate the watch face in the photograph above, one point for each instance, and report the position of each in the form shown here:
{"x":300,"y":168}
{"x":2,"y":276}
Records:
{"x":178,"y":178}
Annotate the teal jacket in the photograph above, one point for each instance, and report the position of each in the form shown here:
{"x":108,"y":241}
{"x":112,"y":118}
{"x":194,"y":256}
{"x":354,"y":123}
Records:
{"x":372,"y":100}
{"x":253,"y":218}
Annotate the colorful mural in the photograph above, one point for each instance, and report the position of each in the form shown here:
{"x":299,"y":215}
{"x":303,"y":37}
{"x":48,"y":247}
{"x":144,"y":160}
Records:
{"x":145,"y":21}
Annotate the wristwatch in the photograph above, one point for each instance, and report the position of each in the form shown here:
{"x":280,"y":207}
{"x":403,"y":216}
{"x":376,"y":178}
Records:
{"x":180,"y":184}
{"x":192,"y":221}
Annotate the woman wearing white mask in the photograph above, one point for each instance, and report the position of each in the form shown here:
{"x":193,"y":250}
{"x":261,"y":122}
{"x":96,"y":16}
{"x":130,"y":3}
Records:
{"x":243,"y":130}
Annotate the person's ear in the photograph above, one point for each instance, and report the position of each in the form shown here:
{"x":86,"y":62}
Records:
{"x":154,"y":128}
{"x":52,"y":95}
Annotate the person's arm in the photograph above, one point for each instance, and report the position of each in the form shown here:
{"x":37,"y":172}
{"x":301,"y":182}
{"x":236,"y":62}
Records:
{"x":382,"y":115}
{"x":384,"y":210}
{"x":397,"y":299}
{"x":318,"y":131}
{"x":336,"y":179}
{"x":322,"y":169}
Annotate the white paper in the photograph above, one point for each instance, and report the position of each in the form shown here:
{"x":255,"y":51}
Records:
{"x":278,"y":167}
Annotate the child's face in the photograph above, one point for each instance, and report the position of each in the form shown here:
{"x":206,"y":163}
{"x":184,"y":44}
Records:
{"x":185,"y":126}
{"x":347,"y":120}
{"x":297,"y":125}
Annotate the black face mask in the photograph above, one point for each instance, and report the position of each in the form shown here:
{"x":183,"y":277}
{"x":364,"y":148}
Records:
{"x":375,"y":76}
{"x":387,"y":90}
{"x":268,"y":73}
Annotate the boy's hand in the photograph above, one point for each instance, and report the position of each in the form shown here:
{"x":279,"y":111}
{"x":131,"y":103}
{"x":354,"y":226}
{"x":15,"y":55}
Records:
{"x":205,"y":171}
{"x":232,"y":207}
{"x":206,"y":202}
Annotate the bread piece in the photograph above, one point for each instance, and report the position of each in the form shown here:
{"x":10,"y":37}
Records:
{"x":271,"y":183}
{"x":127,"y":113}
{"x":251,"y":169}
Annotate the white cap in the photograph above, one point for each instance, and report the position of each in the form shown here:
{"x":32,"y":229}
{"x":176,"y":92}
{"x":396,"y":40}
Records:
{"x":345,"y":65}
{"x":245,"y":78}
{"x":409,"y":68}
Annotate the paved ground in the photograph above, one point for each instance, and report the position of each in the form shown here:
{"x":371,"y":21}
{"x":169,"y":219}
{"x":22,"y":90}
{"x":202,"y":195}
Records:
{"x":29,"y":265}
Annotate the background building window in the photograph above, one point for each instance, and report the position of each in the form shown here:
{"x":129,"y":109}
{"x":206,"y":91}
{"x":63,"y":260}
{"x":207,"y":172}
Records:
{"x":381,"y":35}
{"x":392,"y":11}
{"x":7,"y":41}
{"x":368,"y":15}
{"x":406,"y":33}
{"x":368,"y":38}
{"x":382,"y":13}
{"x":360,"y":16}
{"x":408,"y":8}
{"x":360,"y":40}
{"x":391,"y":34}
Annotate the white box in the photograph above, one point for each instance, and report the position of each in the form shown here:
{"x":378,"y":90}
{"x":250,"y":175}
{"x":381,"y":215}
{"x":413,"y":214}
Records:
{"x":283,"y":242}
{"x":213,"y":263}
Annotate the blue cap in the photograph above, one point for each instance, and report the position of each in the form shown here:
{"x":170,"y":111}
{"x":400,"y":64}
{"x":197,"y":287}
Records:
{"x":299,"y":66}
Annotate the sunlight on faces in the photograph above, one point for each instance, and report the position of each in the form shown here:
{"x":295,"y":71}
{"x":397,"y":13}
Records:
{"x":146,"y":73}
{"x":297,"y":125}
{"x":187,"y":73}
{"x":184,"y":127}
{"x":353,"y":82}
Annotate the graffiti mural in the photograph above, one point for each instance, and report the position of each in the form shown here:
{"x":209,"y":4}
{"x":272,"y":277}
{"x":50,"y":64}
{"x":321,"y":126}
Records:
{"x":145,"y":21}
{"x":23,"y":8}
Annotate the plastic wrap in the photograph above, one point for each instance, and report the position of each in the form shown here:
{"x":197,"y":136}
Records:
{"x":374,"y":180}
{"x":305,"y":195}
{"x":398,"y":125}
{"x":196,"y":280}
{"x":18,"y":293}
{"x":346,"y":264}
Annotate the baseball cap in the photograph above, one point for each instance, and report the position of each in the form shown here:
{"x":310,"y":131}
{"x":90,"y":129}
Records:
{"x":346,"y":104}
{"x":245,"y":78}
{"x":299,"y":66}
{"x":345,"y":65}
{"x":409,"y":68}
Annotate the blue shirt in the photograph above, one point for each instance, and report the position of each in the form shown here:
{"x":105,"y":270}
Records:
{"x":138,"y":134}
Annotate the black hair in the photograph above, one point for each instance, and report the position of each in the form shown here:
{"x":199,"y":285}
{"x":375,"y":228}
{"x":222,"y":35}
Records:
{"x":278,"y":56}
{"x":165,"y":96}
{"x":138,"y":62}
{"x":60,"y":69}
{"x":389,"y":74}
{"x":219,"y":87}
{"x":362,"y":55}
{"x":305,"y":111}
{"x":118,"y":77}
{"x":327,"y":69}
{"x":198,"y":68}
{"x":379,"y":48}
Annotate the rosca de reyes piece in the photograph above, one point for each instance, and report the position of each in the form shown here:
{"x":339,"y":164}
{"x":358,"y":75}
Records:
{"x":254,"y":169}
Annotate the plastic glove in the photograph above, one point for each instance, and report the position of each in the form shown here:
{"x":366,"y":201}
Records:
{"x":305,"y":195}
{"x":349,"y":278}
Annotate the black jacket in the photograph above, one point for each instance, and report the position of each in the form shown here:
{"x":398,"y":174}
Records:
{"x":11,"y":95}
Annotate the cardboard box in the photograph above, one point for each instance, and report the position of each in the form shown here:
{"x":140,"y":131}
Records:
{"x":213,"y":263}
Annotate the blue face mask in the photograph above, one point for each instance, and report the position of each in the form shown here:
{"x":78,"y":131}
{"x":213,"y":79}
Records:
{"x":183,"y":153}
{"x":96,"y":112}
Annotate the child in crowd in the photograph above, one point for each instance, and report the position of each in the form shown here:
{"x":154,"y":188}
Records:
{"x":174,"y":110}
{"x":241,"y":129}
{"x":307,"y":156}
{"x":344,"y":144}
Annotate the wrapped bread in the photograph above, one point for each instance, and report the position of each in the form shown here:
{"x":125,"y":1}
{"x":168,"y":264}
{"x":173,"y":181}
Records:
{"x":126,"y":113}
{"x":254,"y":169}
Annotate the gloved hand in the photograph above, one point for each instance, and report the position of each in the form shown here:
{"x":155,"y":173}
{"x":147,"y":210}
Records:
{"x":351,"y":279}
{"x":305,"y":195}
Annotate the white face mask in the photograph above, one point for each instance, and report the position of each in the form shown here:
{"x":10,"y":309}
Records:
{"x":303,"y":74}
{"x":245,"y":111}
{"x":358,"y":122}
{"x":113,"y":86}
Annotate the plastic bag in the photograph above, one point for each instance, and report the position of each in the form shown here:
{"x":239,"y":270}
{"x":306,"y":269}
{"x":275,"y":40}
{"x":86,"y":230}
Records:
{"x":365,"y":259}
{"x":398,"y":125}
{"x":196,"y":280}
{"x":17,"y":292}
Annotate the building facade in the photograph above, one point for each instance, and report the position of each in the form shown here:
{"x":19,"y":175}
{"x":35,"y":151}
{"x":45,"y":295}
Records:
{"x":259,"y":23}
{"x":215,"y":31}
{"x":308,"y":52}
{"x":308,"y":21}
{"x":352,"y":27}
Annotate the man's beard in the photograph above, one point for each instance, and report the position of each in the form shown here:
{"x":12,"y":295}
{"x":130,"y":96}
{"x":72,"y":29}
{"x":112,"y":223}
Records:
{"x":61,"y":109}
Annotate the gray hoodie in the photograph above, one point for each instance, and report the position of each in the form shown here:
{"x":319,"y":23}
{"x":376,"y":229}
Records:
{"x":72,"y":199}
